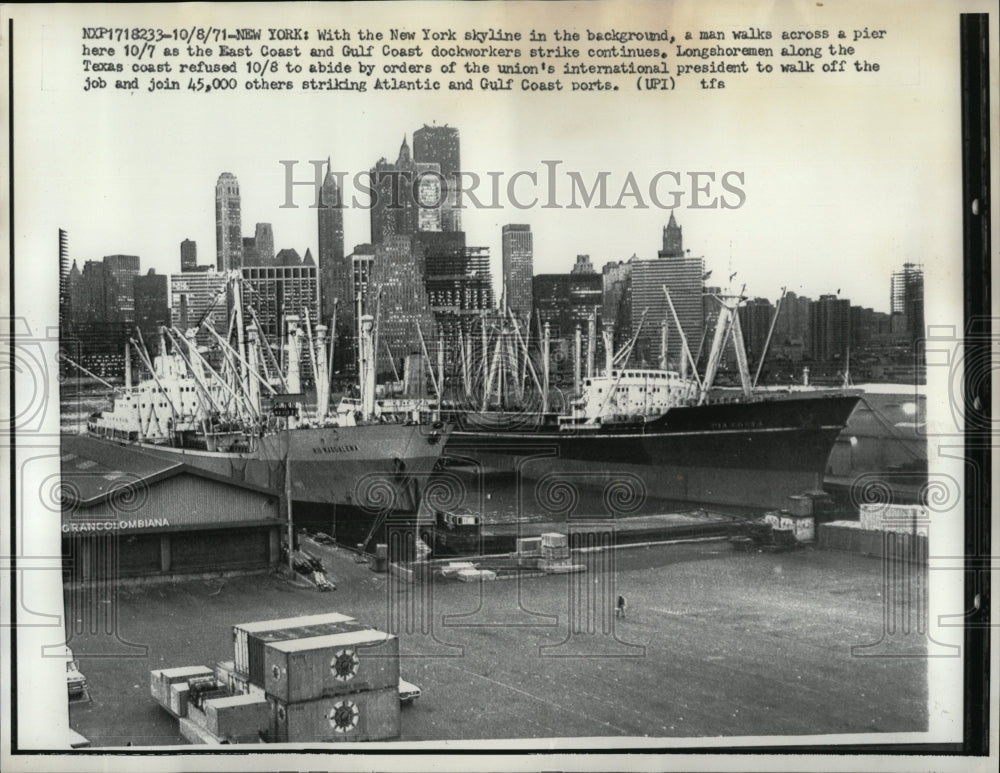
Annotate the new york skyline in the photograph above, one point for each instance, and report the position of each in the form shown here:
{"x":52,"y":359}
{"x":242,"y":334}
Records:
{"x":263,"y":200}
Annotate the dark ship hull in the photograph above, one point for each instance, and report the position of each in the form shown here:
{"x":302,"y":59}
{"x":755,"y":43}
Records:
{"x":752,"y":453}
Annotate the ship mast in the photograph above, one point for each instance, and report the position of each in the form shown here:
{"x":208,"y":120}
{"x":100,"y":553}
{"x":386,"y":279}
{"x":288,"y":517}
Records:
{"x":687,"y":358}
{"x":770,"y":332}
{"x":322,"y":384}
{"x":367,"y":369}
{"x":577,"y":356}
{"x":609,"y":349}
{"x":591,"y":342}
{"x":728,"y":324}
{"x":545,"y":368}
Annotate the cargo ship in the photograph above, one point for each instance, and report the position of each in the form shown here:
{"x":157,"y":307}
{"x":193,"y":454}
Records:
{"x":351,"y":468}
{"x":670,"y":434}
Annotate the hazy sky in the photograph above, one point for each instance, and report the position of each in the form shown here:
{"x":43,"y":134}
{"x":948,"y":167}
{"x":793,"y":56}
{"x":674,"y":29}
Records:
{"x":845,"y":179}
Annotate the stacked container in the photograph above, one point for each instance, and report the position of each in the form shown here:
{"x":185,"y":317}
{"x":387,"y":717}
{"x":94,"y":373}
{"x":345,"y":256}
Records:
{"x":339,"y":687}
{"x":326,"y":677}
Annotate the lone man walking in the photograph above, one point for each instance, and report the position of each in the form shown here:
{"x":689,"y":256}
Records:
{"x":620,"y":610}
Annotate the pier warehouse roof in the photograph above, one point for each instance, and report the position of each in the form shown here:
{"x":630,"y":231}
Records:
{"x":166,"y":516}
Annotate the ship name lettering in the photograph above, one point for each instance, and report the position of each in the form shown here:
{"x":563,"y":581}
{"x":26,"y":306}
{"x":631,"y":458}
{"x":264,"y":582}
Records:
{"x":335,"y":449}
{"x":737,"y":424}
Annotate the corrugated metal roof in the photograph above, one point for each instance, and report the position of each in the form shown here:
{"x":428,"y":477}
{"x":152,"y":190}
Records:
{"x":94,"y":469}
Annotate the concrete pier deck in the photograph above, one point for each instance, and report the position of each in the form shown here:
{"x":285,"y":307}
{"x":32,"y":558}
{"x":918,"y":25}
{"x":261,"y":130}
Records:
{"x":716,"y":643}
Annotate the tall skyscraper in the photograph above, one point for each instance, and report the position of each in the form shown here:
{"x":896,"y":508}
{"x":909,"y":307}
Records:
{"x":617,"y":293}
{"x":518,"y":268}
{"x":124,"y":269}
{"x":567,"y":300}
{"x":755,"y":322}
{"x":281,"y":290}
{"x":830,"y":325}
{"x":65,"y":299}
{"x":403,"y":307}
{"x":334,"y":267}
{"x":457,"y":279}
{"x":793,"y":325}
{"x":250,"y":257}
{"x":582,"y":265}
{"x":98,"y":295}
{"x":361,"y":268}
{"x":189,"y":255}
{"x":263,"y":240}
{"x":193,"y":296}
{"x":683,"y":277}
{"x":151,"y":309}
{"x":395,"y":210}
{"x":673,"y":240}
{"x":228,"y":228}
{"x":440,"y":145}
{"x":907,"y":297}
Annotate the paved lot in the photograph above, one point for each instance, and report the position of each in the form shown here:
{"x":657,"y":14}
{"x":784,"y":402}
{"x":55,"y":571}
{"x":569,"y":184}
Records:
{"x":715,"y":643}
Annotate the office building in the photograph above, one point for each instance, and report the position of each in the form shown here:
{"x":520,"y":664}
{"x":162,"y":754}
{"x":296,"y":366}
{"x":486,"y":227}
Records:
{"x":457,"y":279}
{"x":123,"y":269}
{"x":568,"y":300}
{"x":334,"y":266}
{"x":830,"y":328}
{"x":278,"y":291}
{"x":518,"y":268}
{"x":682,"y":276}
{"x":194,"y":296}
{"x":397,"y":291}
{"x":406,"y":197}
{"x":907,"y":298}
{"x":228,"y":228}
{"x":755,"y":322}
{"x":440,"y":145}
{"x":189,"y":255}
{"x":152,"y":309}
{"x":263,"y":240}
{"x":582,"y":265}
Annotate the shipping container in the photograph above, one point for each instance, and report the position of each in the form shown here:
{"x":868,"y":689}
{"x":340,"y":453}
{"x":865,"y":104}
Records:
{"x":161,"y":680}
{"x":305,"y":669}
{"x":242,"y":631}
{"x":256,"y":642}
{"x":528,"y":545}
{"x":238,"y":717}
{"x":363,"y":716}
